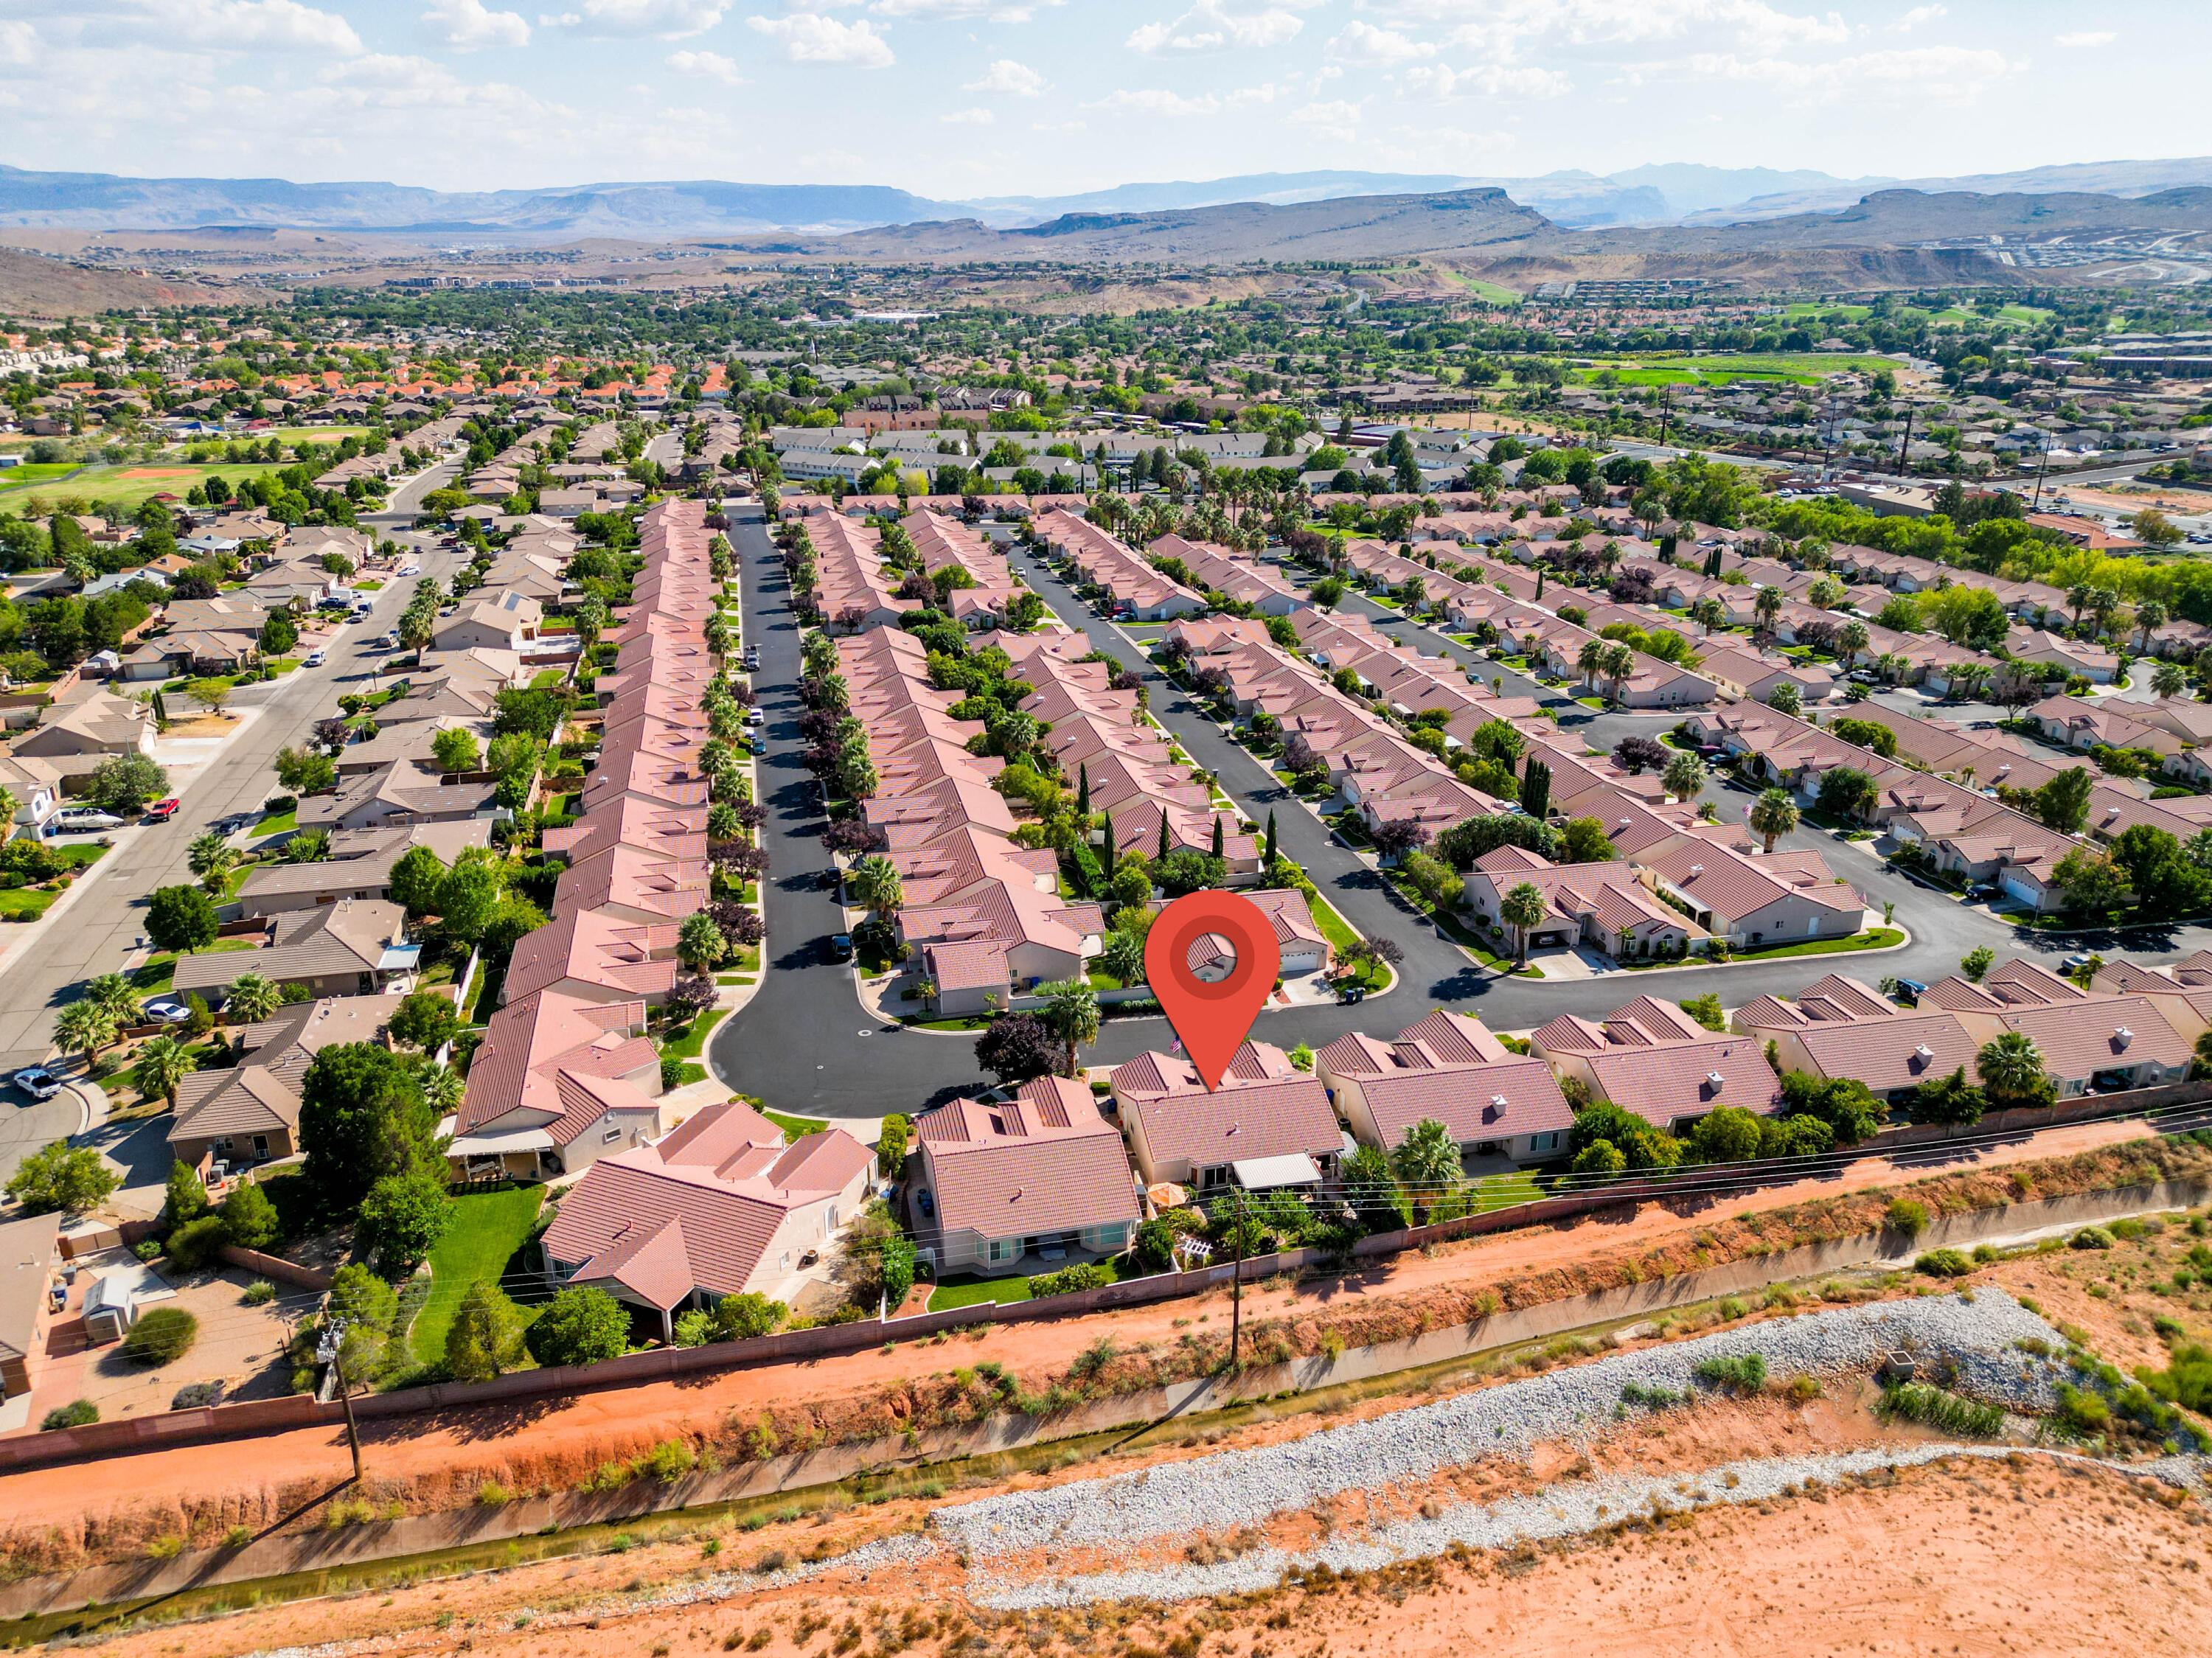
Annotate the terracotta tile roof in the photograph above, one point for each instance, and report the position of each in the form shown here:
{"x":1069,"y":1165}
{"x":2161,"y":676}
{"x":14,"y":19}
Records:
{"x":531,"y":1043}
{"x":1664,"y":1084}
{"x":1901,"y":1051}
{"x":1239,"y":1121}
{"x":1044,"y":1162}
{"x":2078,"y":1040}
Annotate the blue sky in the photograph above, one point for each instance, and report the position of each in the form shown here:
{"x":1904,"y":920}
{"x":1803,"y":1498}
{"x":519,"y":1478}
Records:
{"x":957,"y":98}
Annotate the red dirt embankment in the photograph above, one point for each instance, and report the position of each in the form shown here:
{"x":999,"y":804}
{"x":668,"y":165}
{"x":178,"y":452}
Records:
{"x":65,"y":1516}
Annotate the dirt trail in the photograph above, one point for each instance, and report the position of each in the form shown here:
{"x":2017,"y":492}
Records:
{"x":578,"y":1431}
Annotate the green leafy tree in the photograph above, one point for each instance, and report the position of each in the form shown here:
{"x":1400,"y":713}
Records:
{"x":1952,"y":1101}
{"x":361,"y":1298}
{"x":484,"y":1340}
{"x":425,"y":1020}
{"x":404,"y":1214}
{"x":2062,"y":804}
{"x":181,"y":919}
{"x":580,"y":1325}
{"x":249,"y":1220}
{"x":456,"y":749}
{"x":467,"y":896}
{"x":1976,"y":963}
{"x":891,"y":1147}
{"x":417,"y":878}
{"x":124,"y":782}
{"x":74,"y":1179}
{"x":362,"y":1116}
{"x":742,"y":1317}
{"x":1728,"y":1134}
{"x":186,"y":1198}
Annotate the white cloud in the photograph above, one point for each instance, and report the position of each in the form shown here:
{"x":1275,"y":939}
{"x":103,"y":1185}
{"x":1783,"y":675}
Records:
{"x":810,"y":38}
{"x":1335,"y":119}
{"x":1158,"y":101}
{"x":978,"y":117}
{"x":1217,"y":26}
{"x":1501,"y":27}
{"x":710,"y":65}
{"x":242,"y":26}
{"x":1919,"y":14}
{"x":1362,"y":43}
{"x":19,"y":46}
{"x":2087,"y":38}
{"x":663,"y":20}
{"x":1954,"y":75}
{"x":1440,"y":84}
{"x":1015,"y":79}
{"x":999,"y":11}
{"x":465,"y":25}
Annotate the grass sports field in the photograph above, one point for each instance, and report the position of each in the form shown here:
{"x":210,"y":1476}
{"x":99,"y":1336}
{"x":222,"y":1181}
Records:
{"x":127,"y":486}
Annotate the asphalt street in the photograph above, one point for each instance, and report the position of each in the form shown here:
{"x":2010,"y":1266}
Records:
{"x":103,"y":924}
{"x":803,"y":1044}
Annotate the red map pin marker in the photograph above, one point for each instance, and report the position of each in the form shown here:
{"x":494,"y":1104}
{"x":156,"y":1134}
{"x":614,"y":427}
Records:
{"x":1188,"y":957}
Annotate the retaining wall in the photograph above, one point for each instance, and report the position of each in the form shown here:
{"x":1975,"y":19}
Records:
{"x":292,"y":1552}
{"x":230,"y":1421}
{"x":274,"y":1266}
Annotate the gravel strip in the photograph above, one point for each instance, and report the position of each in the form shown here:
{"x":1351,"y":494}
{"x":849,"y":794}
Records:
{"x":1565,"y":1510}
{"x":1246,"y":1487}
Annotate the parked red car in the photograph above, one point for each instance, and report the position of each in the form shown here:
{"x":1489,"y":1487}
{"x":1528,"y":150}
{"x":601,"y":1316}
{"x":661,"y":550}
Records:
{"x":162,"y":811}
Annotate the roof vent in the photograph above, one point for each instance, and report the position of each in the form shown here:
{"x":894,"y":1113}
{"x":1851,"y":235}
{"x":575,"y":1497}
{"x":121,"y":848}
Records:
{"x":1697,"y":869}
{"x":1497,"y":1100}
{"x":1715,"y":1079}
{"x":2121,"y":1036}
{"x":1924,"y":1053}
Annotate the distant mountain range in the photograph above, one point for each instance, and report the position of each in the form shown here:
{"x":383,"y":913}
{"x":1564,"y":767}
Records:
{"x":1665,"y":193}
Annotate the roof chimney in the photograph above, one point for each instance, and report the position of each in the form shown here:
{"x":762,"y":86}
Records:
{"x":1717,"y":1080}
{"x":1497,"y":1100}
{"x":2121,"y":1036}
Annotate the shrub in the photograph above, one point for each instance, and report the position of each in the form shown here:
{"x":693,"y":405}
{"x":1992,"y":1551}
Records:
{"x":580,"y":1325}
{"x":1745,"y":1373}
{"x":1803,"y":1389}
{"x":161,"y":1336}
{"x":1907,"y":1217}
{"x":2082,"y":1410}
{"x":77,"y":1413}
{"x":194,"y":1395}
{"x":1068,"y":1280}
{"x":197,"y":1243}
{"x":668,"y":1461}
{"x":249,"y":1218}
{"x":493,"y":1495}
{"x":2090,"y":1237}
{"x":1943,"y":1263}
{"x":1920,"y":1401}
{"x":259,"y":1293}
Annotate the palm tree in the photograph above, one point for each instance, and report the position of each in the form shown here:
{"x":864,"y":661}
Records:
{"x":162,"y":1063}
{"x":874,"y":883}
{"x":251,"y":997}
{"x":1685,"y":775}
{"x":1852,"y":638}
{"x":2078,"y":596}
{"x":84,"y":1027}
{"x":591,"y":618}
{"x":1521,"y":908}
{"x":9,"y":805}
{"x":2103,"y":602}
{"x":1766,"y":607}
{"x":1772,"y":815}
{"x":1708,"y":614}
{"x":1591,"y":660}
{"x":1070,"y":1008}
{"x":2010,"y":1067}
{"x":212,"y":859}
{"x":2167,"y":679}
{"x":1619,"y":666}
{"x":115,"y":995}
{"x":442,"y":1089}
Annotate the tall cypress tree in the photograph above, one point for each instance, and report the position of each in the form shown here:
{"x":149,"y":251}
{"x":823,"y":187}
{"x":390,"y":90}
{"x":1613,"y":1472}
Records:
{"x":1219,"y":839}
{"x":1536,"y":789}
{"x":1083,"y":791}
{"x":1161,"y":855}
{"x":1106,"y":848}
{"x":1271,"y":834}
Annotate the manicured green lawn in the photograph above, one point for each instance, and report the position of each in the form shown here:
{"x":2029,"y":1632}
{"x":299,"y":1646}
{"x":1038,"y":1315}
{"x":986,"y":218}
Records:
{"x":689,"y":1046}
{"x":483,"y":1000}
{"x":487,"y":1229}
{"x":158,"y":973}
{"x":796,"y":1129}
{"x":281,"y":822}
{"x":1503,"y":1191}
{"x":974,"y":1292}
{"x":1879,"y":938}
{"x":135,"y":481}
{"x":545,"y":676}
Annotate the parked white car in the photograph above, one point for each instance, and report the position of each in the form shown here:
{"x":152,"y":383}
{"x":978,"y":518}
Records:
{"x":315,"y":657}
{"x":37,"y":1082}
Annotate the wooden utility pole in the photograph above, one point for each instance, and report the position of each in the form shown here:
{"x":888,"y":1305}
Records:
{"x":1904,"y":446}
{"x":332,"y":1350}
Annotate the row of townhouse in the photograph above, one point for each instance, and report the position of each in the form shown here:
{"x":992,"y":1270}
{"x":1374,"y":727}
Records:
{"x":567,"y":1082}
{"x":1003,"y":1186}
{"x":853,"y":589}
{"x":1965,"y":831}
{"x":1103,"y":561}
{"x":1234,"y":576}
{"x":2131,"y":1027}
